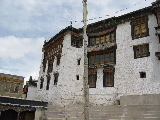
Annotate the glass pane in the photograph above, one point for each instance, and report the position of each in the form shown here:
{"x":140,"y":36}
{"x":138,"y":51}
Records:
{"x":112,"y":37}
{"x":107,"y":38}
{"x":136,"y":31}
{"x":97,"y":58}
{"x":143,"y":28}
{"x":92,"y":59}
{"x":93,"y":41}
{"x":107,"y":57}
{"x":97,"y":40}
{"x":112,"y":54}
{"x":102,"y":58}
{"x":102,"y":39}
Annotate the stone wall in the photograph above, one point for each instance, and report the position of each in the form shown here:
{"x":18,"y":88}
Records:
{"x":68,"y":89}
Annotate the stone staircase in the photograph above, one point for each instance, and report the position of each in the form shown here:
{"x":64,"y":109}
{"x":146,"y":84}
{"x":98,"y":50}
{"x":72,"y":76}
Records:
{"x":64,"y":113}
{"x":132,"y":110}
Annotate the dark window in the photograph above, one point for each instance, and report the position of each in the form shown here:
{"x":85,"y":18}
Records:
{"x":56,"y":78}
{"x":41,"y":84}
{"x":92,"y":78}
{"x":92,"y":41}
{"x":44,"y":62}
{"x":50,"y":67}
{"x":79,"y":61}
{"x":77,"y":77}
{"x":101,"y":58}
{"x":79,"y":43}
{"x":76,"y":41}
{"x":58,"y":60}
{"x":141,"y":51}
{"x":142,"y":74}
{"x":108,"y":77}
{"x":48,"y":82}
{"x":97,"y":58}
{"x":140,"y":27}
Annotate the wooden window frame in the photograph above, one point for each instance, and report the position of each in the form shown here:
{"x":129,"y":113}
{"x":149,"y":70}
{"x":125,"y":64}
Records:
{"x":108,"y":72}
{"x":98,"y":39}
{"x":141,"y":50}
{"x":93,"y":57}
{"x":138,"y":22}
{"x":92,"y":78}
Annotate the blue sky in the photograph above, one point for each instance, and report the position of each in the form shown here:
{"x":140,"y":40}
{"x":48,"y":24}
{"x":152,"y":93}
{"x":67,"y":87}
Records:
{"x":25,"y":24}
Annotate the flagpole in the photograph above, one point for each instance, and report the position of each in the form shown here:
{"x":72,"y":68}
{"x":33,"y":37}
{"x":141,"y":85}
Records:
{"x":85,"y":77}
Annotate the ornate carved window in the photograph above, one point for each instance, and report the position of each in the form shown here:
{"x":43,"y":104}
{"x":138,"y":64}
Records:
{"x":108,"y":37}
{"x":108,"y":77}
{"x":92,"y":78}
{"x":140,"y":27}
{"x":52,"y":50}
{"x":76,"y":41}
{"x":141,"y":51}
{"x":102,"y":57}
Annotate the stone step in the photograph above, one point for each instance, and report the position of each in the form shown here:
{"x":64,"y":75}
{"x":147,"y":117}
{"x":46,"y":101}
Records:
{"x":112,"y":112}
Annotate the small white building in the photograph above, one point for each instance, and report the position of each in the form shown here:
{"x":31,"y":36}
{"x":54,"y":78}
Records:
{"x":123,"y":56}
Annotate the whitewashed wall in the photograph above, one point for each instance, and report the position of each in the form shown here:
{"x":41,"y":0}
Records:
{"x":127,"y":78}
{"x":68,"y":89}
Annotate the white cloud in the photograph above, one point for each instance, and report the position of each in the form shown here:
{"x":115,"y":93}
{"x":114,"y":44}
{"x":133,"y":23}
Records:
{"x":12,"y":47}
{"x":20,"y":56}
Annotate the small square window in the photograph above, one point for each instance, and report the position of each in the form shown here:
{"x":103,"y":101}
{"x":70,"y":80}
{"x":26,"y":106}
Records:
{"x":141,"y":51}
{"x":142,"y":74}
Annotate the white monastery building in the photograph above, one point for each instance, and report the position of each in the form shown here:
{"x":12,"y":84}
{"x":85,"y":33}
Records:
{"x":123,"y":59}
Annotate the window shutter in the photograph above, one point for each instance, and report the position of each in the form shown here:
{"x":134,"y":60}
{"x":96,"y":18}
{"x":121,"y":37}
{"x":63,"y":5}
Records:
{"x":143,"y":29}
{"x":102,"y":39}
{"x":107,"y":38}
{"x":97,"y":40}
{"x":136,"y":31}
{"x":112,"y":37}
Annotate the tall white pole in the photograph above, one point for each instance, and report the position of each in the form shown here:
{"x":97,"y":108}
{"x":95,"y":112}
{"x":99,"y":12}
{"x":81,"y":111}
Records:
{"x":85,"y":77}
